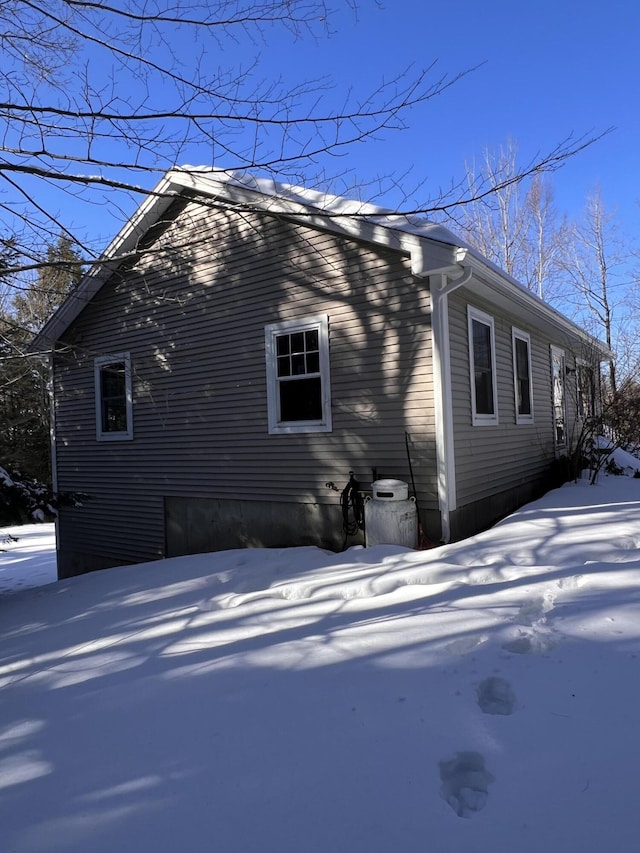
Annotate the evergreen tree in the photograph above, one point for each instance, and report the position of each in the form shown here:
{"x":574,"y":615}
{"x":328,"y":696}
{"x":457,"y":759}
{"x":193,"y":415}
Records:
{"x":59,"y":274}
{"x":24,"y":399}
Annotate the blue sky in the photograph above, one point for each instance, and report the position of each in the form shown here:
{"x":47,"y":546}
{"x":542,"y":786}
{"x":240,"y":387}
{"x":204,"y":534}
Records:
{"x":545,"y":72}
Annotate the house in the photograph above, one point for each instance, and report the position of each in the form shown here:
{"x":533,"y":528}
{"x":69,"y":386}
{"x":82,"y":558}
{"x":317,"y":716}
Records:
{"x":242,"y":344}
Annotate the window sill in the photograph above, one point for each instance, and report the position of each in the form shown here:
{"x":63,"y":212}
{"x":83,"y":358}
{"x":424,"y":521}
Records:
{"x":115,"y":436}
{"x":479,"y":422}
{"x":294,"y":428}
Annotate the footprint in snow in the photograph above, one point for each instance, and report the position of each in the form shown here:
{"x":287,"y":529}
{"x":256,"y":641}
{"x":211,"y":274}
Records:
{"x":531,"y":642}
{"x":465,"y":783}
{"x":534,"y":611}
{"x":571,"y":582}
{"x":495,"y":696}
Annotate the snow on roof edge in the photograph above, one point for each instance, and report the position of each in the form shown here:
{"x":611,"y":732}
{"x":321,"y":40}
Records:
{"x":340,"y":206}
{"x":326,"y":203}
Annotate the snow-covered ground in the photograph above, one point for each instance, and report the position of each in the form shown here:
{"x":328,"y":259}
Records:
{"x":478,"y":698}
{"x":27,"y":557}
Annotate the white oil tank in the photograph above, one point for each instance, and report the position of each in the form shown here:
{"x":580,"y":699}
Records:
{"x":390,"y":517}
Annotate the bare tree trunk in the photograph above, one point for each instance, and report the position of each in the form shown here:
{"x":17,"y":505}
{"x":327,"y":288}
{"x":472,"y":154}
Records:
{"x":516,"y":225}
{"x":595,"y":262}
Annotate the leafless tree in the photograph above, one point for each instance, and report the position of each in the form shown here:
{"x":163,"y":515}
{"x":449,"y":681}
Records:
{"x":546,"y":240}
{"x":596,"y":265}
{"x":583,"y":268}
{"x":100,"y":98}
{"x":516,"y":225}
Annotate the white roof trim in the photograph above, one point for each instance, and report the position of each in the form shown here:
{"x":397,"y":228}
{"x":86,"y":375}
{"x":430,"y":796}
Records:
{"x":354,"y":219}
{"x":122,"y":244}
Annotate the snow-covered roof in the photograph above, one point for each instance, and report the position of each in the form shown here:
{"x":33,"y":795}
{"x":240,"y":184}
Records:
{"x":414,"y":235}
{"x":324,"y":203}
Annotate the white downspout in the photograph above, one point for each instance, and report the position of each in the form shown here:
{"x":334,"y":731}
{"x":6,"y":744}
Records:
{"x":440,"y":287}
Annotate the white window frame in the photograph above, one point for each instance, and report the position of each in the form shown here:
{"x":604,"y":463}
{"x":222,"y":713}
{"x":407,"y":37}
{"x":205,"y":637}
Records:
{"x":482,"y":418}
{"x":583,"y":365}
{"x":99,"y":364}
{"x":519,"y":335}
{"x":276,"y":425}
{"x":557,"y":352}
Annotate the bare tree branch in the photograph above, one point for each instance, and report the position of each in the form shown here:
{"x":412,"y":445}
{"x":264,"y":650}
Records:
{"x":100,"y":99}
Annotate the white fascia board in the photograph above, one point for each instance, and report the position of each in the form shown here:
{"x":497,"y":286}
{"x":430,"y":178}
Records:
{"x":341,"y":216}
{"x":330,"y":218}
{"x":122,"y":244}
{"x":299,"y":199}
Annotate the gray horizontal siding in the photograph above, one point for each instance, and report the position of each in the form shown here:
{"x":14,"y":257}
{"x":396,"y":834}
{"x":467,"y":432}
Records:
{"x":494,"y":459}
{"x":193,"y":320}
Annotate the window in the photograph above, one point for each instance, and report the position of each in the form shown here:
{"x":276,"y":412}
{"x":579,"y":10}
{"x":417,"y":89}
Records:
{"x":522,"y":376}
{"x":298,"y":388}
{"x":585,"y":391}
{"x":114,"y":417}
{"x":558,"y":373}
{"x":482,"y":363}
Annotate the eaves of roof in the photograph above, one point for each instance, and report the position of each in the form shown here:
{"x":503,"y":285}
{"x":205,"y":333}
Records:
{"x":351,"y":219}
{"x":518,"y":295}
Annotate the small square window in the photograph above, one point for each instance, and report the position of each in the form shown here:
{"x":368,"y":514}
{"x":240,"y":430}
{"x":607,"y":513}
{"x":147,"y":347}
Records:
{"x":298,"y":389}
{"x":114,"y":416}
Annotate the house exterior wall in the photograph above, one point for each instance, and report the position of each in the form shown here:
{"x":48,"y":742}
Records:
{"x":202,"y":472}
{"x":499,"y":467}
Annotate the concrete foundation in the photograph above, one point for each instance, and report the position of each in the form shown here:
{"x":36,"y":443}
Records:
{"x":196,"y":525}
